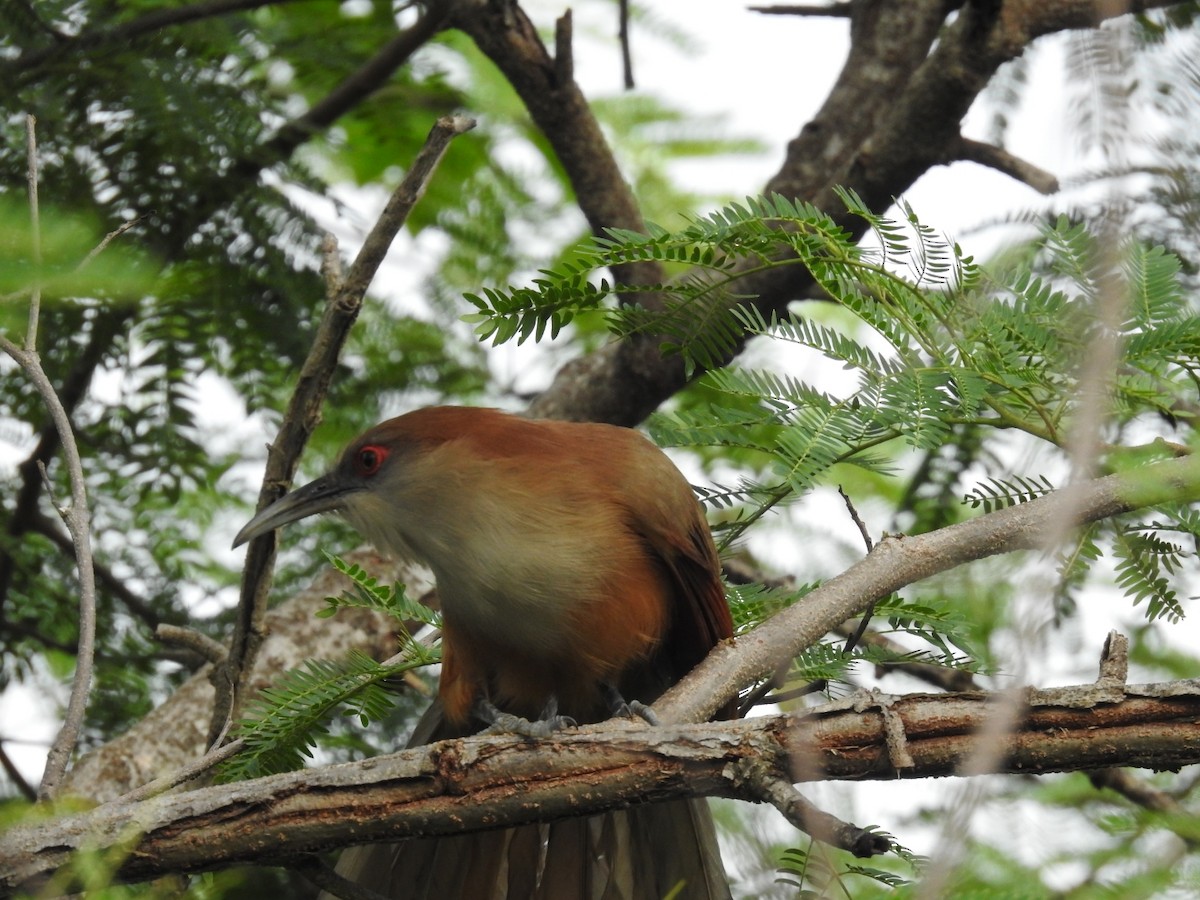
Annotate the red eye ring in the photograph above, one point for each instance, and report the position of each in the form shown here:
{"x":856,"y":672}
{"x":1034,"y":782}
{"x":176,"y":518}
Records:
{"x":369,"y":459}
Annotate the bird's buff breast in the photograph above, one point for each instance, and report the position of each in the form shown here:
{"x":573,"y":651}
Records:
{"x":506,"y":580}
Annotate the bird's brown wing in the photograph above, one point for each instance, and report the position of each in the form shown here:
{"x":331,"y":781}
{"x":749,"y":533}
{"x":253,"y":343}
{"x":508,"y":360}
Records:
{"x":700,"y":617}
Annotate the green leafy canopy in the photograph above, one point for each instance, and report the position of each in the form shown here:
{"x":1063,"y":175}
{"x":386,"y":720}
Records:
{"x":945,"y":354}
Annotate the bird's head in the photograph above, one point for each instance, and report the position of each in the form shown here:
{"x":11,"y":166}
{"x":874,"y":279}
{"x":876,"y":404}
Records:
{"x":368,"y":473}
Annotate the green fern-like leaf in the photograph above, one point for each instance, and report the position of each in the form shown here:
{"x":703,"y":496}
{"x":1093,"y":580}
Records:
{"x":1141,"y":559}
{"x":1074,"y":564}
{"x":282,"y":724}
{"x":996,"y":493}
{"x":1155,"y":295}
{"x":753,"y":604}
{"x":937,"y":621}
{"x":367,"y":593}
{"x":835,"y":345}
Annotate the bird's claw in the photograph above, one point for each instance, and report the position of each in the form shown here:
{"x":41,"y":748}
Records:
{"x":545,"y":726}
{"x":632,"y":709}
{"x":537,"y":730}
{"x":642,"y":711}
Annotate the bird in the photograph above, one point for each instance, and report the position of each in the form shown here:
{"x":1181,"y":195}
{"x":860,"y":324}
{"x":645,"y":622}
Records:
{"x":577,"y":579}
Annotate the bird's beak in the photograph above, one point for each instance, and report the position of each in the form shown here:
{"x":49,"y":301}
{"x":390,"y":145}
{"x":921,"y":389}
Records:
{"x":326,"y":494}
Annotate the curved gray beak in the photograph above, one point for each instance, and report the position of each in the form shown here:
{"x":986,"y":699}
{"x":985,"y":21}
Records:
{"x":326,"y":494}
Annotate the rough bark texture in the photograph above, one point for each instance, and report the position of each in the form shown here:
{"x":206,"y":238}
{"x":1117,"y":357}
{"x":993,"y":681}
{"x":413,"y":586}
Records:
{"x":173,"y":734}
{"x":488,"y":782}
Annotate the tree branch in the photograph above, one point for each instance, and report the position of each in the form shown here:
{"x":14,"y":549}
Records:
{"x":77,"y":519}
{"x":1002,"y":161}
{"x":24,"y":515}
{"x":359,"y":85}
{"x":28,"y":791}
{"x":503,"y":32}
{"x":839,"y":11}
{"x":900,"y":561}
{"x":910,"y":77}
{"x":486,"y":782}
{"x":152,"y":21}
{"x":172,"y":735}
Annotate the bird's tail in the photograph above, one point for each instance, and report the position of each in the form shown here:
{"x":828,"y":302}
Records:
{"x":646,"y":852}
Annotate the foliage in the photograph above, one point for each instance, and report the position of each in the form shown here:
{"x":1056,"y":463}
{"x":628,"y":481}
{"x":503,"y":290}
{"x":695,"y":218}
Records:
{"x":282,"y":723}
{"x":991,"y":351}
{"x":949,"y":345}
{"x":816,"y":871}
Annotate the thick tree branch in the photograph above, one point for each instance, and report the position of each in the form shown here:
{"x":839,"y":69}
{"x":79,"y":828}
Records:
{"x":504,"y":33}
{"x":909,"y":79}
{"x":480,"y":783}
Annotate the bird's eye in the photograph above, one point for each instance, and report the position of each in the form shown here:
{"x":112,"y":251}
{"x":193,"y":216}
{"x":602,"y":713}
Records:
{"x":369,"y":459}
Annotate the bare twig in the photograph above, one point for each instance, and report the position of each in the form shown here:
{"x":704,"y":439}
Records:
{"x":78,"y":522}
{"x":35,"y":234}
{"x":304,"y":410}
{"x":764,"y":783}
{"x":14,"y":775}
{"x":840,"y":11}
{"x":857,"y":635}
{"x":1002,"y":161}
{"x":857,"y":519}
{"x":328,"y":880}
{"x":943,"y":677}
{"x":764,"y":694}
{"x":209,"y":760}
{"x":355,"y":88}
{"x":108,"y":239}
{"x":198,"y":642}
{"x":623,"y":36}
{"x":394,"y":214}
{"x":1145,"y":795}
